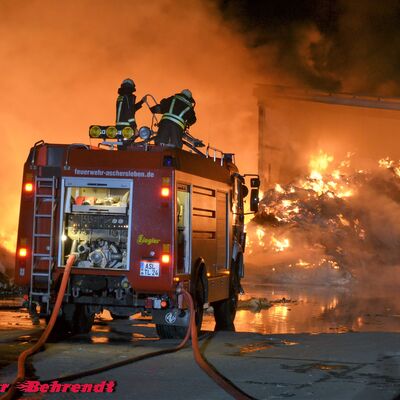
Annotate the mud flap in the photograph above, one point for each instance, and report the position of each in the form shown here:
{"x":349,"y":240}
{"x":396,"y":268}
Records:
{"x":174,"y":316}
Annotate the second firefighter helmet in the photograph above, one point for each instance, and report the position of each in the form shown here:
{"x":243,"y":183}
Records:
{"x":188,"y":94}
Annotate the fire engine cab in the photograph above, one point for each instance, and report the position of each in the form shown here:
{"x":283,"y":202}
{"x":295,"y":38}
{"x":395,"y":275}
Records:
{"x":142,"y":220}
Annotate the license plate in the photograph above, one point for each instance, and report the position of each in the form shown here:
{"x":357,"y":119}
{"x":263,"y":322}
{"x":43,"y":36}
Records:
{"x":149,"y":268}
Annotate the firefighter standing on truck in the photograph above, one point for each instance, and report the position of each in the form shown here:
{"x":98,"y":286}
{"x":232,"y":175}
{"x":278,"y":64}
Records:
{"x":126,"y":106}
{"x":178,"y":114}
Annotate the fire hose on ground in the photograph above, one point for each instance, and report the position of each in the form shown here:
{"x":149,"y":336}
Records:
{"x":217,"y":377}
{"x":42,"y":340}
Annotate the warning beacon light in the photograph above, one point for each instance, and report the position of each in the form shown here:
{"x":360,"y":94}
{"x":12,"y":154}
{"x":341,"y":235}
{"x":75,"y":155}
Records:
{"x":111,"y":132}
{"x":127,"y":132}
{"x":95,"y":131}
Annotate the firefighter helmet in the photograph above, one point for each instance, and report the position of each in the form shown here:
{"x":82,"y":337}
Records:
{"x":127,"y":86}
{"x":187,"y":93}
{"x":128,"y":81}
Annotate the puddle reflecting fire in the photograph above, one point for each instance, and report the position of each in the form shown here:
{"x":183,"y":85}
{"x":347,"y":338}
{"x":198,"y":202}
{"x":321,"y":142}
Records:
{"x":266,"y":309}
{"x":317,"y":310}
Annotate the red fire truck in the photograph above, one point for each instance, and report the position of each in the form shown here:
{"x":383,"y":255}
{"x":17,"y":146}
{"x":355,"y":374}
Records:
{"x":142,"y":221}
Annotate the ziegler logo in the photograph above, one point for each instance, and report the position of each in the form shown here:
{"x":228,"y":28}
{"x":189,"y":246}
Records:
{"x":144,"y":240}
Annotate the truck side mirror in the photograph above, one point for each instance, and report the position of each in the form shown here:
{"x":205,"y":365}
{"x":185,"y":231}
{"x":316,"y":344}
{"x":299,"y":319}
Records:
{"x":254,"y":200}
{"x":255,"y":182}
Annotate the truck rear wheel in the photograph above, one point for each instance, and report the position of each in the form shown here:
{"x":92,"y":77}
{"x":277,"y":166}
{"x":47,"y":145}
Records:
{"x":75,"y":319}
{"x":83,"y":319}
{"x":64,"y":325}
{"x":119,"y":317}
{"x":61,"y":329}
{"x":198,"y":299}
{"x":225,"y":310}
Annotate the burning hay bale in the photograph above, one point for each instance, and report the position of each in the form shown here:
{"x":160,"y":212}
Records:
{"x":329,"y":227}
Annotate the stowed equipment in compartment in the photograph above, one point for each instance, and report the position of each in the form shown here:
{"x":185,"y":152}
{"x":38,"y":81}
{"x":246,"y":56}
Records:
{"x":100,"y":253}
{"x":95,"y":223}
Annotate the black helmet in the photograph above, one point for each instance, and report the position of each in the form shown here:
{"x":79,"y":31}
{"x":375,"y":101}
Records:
{"x":127,"y":87}
{"x":127,"y":82}
{"x":187,"y":93}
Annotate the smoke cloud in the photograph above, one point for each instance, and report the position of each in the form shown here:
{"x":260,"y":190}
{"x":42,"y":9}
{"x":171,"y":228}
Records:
{"x":331,"y":45}
{"x":62,"y":63}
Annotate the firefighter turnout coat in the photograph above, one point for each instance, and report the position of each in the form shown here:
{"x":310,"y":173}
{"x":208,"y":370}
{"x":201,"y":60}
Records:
{"x":178,"y":114}
{"x":126,"y":109}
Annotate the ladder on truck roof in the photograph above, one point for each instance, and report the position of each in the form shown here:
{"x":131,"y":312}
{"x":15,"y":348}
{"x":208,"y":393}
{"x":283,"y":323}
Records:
{"x":42,"y":240}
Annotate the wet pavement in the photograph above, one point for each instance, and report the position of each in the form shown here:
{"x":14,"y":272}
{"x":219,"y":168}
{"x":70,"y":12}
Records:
{"x":303,"y":366}
{"x":301,"y":342}
{"x":279,"y":309}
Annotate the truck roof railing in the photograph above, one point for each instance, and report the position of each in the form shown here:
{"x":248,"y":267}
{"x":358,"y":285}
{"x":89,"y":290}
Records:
{"x":227,"y":157}
{"x":34,"y":150}
{"x":215,"y":151}
{"x":74,"y":146}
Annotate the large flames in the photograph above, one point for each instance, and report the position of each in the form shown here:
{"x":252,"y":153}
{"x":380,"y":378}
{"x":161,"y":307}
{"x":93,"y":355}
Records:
{"x":328,"y":222}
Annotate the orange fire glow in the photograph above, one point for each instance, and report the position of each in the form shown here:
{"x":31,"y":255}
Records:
{"x":389,"y":163}
{"x":58,"y":81}
{"x":321,"y":181}
{"x":290,"y":209}
{"x":279,"y":244}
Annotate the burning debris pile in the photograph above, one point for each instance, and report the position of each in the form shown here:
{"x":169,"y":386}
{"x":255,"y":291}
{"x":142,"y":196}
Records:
{"x":335,"y":225}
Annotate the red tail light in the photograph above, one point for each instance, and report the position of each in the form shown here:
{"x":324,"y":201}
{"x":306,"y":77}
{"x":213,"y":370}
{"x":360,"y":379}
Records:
{"x":165,"y":192}
{"x":28,"y":187}
{"x":22,"y":252}
{"x":165,"y":258}
{"x":164,"y":303}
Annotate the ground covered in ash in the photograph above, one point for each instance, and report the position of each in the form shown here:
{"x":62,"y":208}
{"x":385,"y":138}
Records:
{"x":330,"y":228}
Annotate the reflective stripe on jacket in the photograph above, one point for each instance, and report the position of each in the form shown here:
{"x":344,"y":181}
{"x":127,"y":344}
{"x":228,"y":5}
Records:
{"x":177,"y":118}
{"x":125,"y":109}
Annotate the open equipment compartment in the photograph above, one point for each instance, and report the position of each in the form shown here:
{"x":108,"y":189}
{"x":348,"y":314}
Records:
{"x":95,"y":222}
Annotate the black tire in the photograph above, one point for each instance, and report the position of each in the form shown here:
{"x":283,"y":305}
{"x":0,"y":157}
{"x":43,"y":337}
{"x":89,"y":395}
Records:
{"x":224,"y":313}
{"x":225,"y":310}
{"x":78,"y":320}
{"x":171,"y":331}
{"x":198,"y":298}
{"x":83,"y":319}
{"x":62,"y":329}
{"x":119,"y":317}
